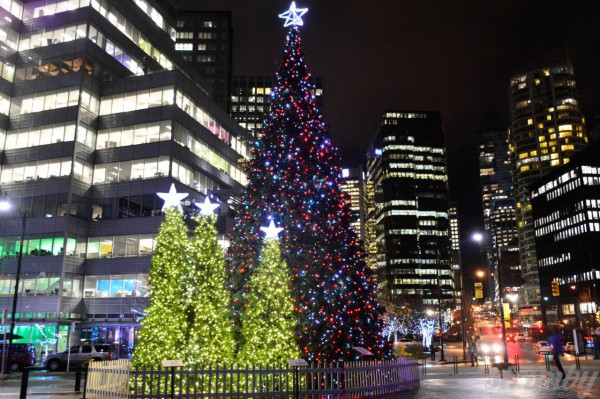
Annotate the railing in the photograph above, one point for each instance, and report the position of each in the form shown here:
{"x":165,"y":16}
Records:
{"x":116,"y":379}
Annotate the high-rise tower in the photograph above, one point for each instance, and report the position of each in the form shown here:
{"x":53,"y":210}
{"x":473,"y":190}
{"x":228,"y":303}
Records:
{"x":407,"y":201}
{"x":499,"y":214}
{"x":547,"y":129}
{"x":98,"y":113}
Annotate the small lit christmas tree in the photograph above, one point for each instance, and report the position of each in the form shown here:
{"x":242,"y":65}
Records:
{"x":209,"y":336}
{"x":162,"y":335}
{"x":269,"y":322}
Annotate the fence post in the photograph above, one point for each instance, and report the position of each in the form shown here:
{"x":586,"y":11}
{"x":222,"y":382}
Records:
{"x":24,"y":381}
{"x":87,"y":368}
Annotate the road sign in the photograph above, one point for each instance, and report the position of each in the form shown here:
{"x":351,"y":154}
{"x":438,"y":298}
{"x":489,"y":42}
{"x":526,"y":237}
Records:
{"x":478,"y":290}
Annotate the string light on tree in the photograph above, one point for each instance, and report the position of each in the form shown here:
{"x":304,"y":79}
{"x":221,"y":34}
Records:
{"x":172,"y":198}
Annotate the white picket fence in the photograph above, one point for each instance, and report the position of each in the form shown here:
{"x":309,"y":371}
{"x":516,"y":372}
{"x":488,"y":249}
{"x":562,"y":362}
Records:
{"x":116,"y":379}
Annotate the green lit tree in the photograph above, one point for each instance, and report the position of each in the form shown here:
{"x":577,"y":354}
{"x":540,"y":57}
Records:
{"x":268,"y":323}
{"x":164,"y":327}
{"x":209,"y":336}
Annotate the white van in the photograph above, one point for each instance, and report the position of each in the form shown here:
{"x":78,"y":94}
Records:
{"x":521,"y":337}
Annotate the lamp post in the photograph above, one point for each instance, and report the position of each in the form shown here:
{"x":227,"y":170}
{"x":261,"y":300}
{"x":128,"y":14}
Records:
{"x":478,"y":237}
{"x":462,"y":315}
{"x":5,"y":206}
{"x":442,"y":359}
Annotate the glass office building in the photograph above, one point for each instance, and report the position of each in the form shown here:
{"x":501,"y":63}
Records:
{"x":98,"y":113}
{"x":407,"y":208}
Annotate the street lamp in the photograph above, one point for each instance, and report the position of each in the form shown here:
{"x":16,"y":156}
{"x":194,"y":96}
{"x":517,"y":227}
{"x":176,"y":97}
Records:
{"x":478,"y":237}
{"x":5,"y":206}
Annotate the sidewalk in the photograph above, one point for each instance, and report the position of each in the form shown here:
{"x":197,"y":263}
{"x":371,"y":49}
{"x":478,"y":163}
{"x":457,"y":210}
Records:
{"x":42,"y":385}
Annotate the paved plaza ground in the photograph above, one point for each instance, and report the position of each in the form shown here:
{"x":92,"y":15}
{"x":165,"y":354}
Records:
{"x":440,"y":381}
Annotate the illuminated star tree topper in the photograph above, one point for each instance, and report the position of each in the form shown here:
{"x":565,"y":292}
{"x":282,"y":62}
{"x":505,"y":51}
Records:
{"x":172,"y":198}
{"x":293,"y":16}
{"x":207,"y":208}
{"x":272,"y":232}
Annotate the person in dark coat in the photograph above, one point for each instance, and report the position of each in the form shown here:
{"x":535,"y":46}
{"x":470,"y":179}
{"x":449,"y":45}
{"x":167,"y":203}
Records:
{"x":557,"y":350}
{"x":472,"y":348}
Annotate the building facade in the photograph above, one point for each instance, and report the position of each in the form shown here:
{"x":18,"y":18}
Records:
{"x":499,"y":213}
{"x":98,"y":113}
{"x":352,"y":185}
{"x":407,"y":202}
{"x":205,"y":39}
{"x":251,"y":98}
{"x":547,"y":129}
{"x":566,"y":216}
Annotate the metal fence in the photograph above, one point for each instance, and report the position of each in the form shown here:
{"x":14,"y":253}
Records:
{"x":116,"y":379}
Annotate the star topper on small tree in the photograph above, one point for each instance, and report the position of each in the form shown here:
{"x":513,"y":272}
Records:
{"x":207,"y":208}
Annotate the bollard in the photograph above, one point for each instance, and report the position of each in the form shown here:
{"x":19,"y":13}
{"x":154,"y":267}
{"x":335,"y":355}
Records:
{"x":424,"y":365}
{"x":517,"y":364}
{"x":577,"y":361}
{"x":78,"y":379}
{"x":547,"y":360}
{"x":24,"y":381}
{"x":486,"y":366}
{"x":455,"y":364}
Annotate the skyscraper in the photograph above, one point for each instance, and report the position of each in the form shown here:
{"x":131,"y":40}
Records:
{"x":408,"y":184}
{"x":205,"y":38}
{"x":547,"y":129}
{"x":98,"y":113}
{"x":352,"y":185}
{"x":499,"y":215}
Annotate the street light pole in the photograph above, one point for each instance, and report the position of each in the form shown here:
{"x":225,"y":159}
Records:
{"x":502,"y":311}
{"x":16,"y":293}
{"x":442,"y":359}
{"x":462,"y":315}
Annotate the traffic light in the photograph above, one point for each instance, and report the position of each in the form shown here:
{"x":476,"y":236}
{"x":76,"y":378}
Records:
{"x":555,"y":289}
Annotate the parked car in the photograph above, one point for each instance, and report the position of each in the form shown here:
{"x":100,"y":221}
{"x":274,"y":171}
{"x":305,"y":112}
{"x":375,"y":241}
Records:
{"x":489,"y":348}
{"x":543,"y":347}
{"x":78,"y":355}
{"x":570,"y":347}
{"x":21,"y":355}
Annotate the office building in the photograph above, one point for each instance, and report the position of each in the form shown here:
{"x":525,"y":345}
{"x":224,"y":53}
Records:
{"x":98,"y":113}
{"x":352,"y":185}
{"x":251,"y":98}
{"x":408,"y":207}
{"x":566,"y":216}
{"x":547,"y":129}
{"x":499,"y":217}
{"x":205,"y":39}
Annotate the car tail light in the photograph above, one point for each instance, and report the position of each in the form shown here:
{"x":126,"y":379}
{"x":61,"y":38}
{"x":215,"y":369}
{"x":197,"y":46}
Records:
{"x":109,"y":355}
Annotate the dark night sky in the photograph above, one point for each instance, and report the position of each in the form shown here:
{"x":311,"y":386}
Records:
{"x":455,"y":57}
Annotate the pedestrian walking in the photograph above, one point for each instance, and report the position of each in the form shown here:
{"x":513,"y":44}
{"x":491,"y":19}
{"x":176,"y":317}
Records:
{"x":557,"y":350}
{"x":432,"y":350}
{"x":472,"y":347}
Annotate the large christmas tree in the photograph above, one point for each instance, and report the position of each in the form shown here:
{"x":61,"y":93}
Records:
{"x":294,"y":176}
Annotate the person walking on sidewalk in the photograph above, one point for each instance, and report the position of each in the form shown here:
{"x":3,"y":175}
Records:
{"x":472,"y":347}
{"x":557,"y":350}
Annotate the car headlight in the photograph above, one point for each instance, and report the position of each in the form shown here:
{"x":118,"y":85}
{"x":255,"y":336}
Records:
{"x":485,"y":348}
{"x":497,"y":348}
